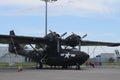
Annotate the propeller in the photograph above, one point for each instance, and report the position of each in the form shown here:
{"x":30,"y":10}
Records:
{"x":80,"y":39}
{"x":58,"y":39}
{"x":84,"y":36}
{"x":63,"y":34}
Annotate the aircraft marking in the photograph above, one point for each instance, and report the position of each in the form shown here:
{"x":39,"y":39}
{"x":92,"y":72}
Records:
{"x":68,"y":55}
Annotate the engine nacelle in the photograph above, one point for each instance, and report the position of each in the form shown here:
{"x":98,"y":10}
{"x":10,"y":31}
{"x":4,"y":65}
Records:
{"x":73,"y":40}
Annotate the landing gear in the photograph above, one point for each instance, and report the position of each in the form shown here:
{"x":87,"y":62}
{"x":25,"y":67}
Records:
{"x":64,"y":67}
{"x":78,"y":66}
{"x":39,"y":65}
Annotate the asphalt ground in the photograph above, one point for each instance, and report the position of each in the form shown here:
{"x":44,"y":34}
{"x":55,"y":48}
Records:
{"x":86,"y":73}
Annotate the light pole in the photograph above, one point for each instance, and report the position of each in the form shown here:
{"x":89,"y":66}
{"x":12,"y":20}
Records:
{"x":46,"y":6}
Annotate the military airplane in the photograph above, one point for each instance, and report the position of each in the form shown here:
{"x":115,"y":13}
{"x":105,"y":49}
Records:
{"x":53,"y":49}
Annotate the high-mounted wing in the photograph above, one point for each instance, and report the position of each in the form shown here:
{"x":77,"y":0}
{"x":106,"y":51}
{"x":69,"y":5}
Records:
{"x":74,"y":43}
{"x":6,"y":39}
{"x":98,"y":43}
{"x":75,"y":40}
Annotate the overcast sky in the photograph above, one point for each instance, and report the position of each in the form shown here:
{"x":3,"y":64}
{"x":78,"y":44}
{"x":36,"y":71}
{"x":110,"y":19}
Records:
{"x":100,"y":19}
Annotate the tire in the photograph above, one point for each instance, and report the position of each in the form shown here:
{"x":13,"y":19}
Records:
{"x":39,"y":65}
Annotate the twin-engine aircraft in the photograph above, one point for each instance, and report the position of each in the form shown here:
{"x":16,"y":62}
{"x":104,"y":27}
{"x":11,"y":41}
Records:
{"x":53,"y":50}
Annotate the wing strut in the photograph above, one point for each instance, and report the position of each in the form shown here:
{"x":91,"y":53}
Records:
{"x":33,"y":47}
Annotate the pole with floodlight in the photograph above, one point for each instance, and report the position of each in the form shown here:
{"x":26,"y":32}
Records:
{"x":46,"y":7}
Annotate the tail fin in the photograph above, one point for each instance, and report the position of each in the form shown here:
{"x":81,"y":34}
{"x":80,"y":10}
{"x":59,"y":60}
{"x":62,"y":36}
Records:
{"x":14,"y":47}
{"x":12,"y":32}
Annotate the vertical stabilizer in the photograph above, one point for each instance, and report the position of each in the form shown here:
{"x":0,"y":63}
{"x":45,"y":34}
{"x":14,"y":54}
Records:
{"x":13,"y":47}
{"x":12,"y":32}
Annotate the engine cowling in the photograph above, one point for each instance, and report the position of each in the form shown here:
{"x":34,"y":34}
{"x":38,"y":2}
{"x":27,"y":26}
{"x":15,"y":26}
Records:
{"x":73,"y":40}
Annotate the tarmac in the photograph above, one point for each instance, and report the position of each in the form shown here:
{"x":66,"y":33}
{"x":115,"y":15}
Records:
{"x":86,"y":73}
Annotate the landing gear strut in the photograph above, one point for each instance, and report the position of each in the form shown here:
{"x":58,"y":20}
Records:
{"x":39,"y":65}
{"x":64,"y":67}
{"x":78,"y":66}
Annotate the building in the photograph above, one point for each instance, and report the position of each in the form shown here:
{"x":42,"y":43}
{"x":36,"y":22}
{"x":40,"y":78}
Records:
{"x":5,"y":56}
{"x":105,"y":57}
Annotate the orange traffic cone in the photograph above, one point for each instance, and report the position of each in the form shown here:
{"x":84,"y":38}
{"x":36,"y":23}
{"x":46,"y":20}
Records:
{"x":20,"y":68}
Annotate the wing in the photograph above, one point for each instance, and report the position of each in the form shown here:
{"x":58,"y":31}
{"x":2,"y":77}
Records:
{"x":98,"y":43}
{"x":74,"y":43}
{"x":6,"y":39}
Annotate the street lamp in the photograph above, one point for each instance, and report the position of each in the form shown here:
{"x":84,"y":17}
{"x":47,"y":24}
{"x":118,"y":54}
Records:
{"x":46,"y":1}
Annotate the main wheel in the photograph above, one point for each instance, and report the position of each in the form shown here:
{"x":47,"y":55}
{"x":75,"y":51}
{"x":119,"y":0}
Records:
{"x":78,"y":67}
{"x":39,"y":65}
{"x":64,"y":67}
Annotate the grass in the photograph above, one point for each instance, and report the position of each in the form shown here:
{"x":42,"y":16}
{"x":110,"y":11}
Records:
{"x":24,"y":64}
{"x":3,"y":64}
{"x":111,"y":64}
{"x":33,"y":64}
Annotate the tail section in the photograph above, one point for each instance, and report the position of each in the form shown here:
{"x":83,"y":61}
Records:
{"x":17,"y":48}
{"x":12,"y":32}
{"x":14,"y":47}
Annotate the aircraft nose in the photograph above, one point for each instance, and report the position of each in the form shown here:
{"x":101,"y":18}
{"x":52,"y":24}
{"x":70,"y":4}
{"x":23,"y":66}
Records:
{"x":85,"y":56}
{"x":82,"y":57}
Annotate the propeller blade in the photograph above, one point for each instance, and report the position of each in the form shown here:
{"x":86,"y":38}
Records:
{"x":52,"y":32}
{"x":84,"y":36}
{"x":63,"y":34}
{"x":58,"y":41}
